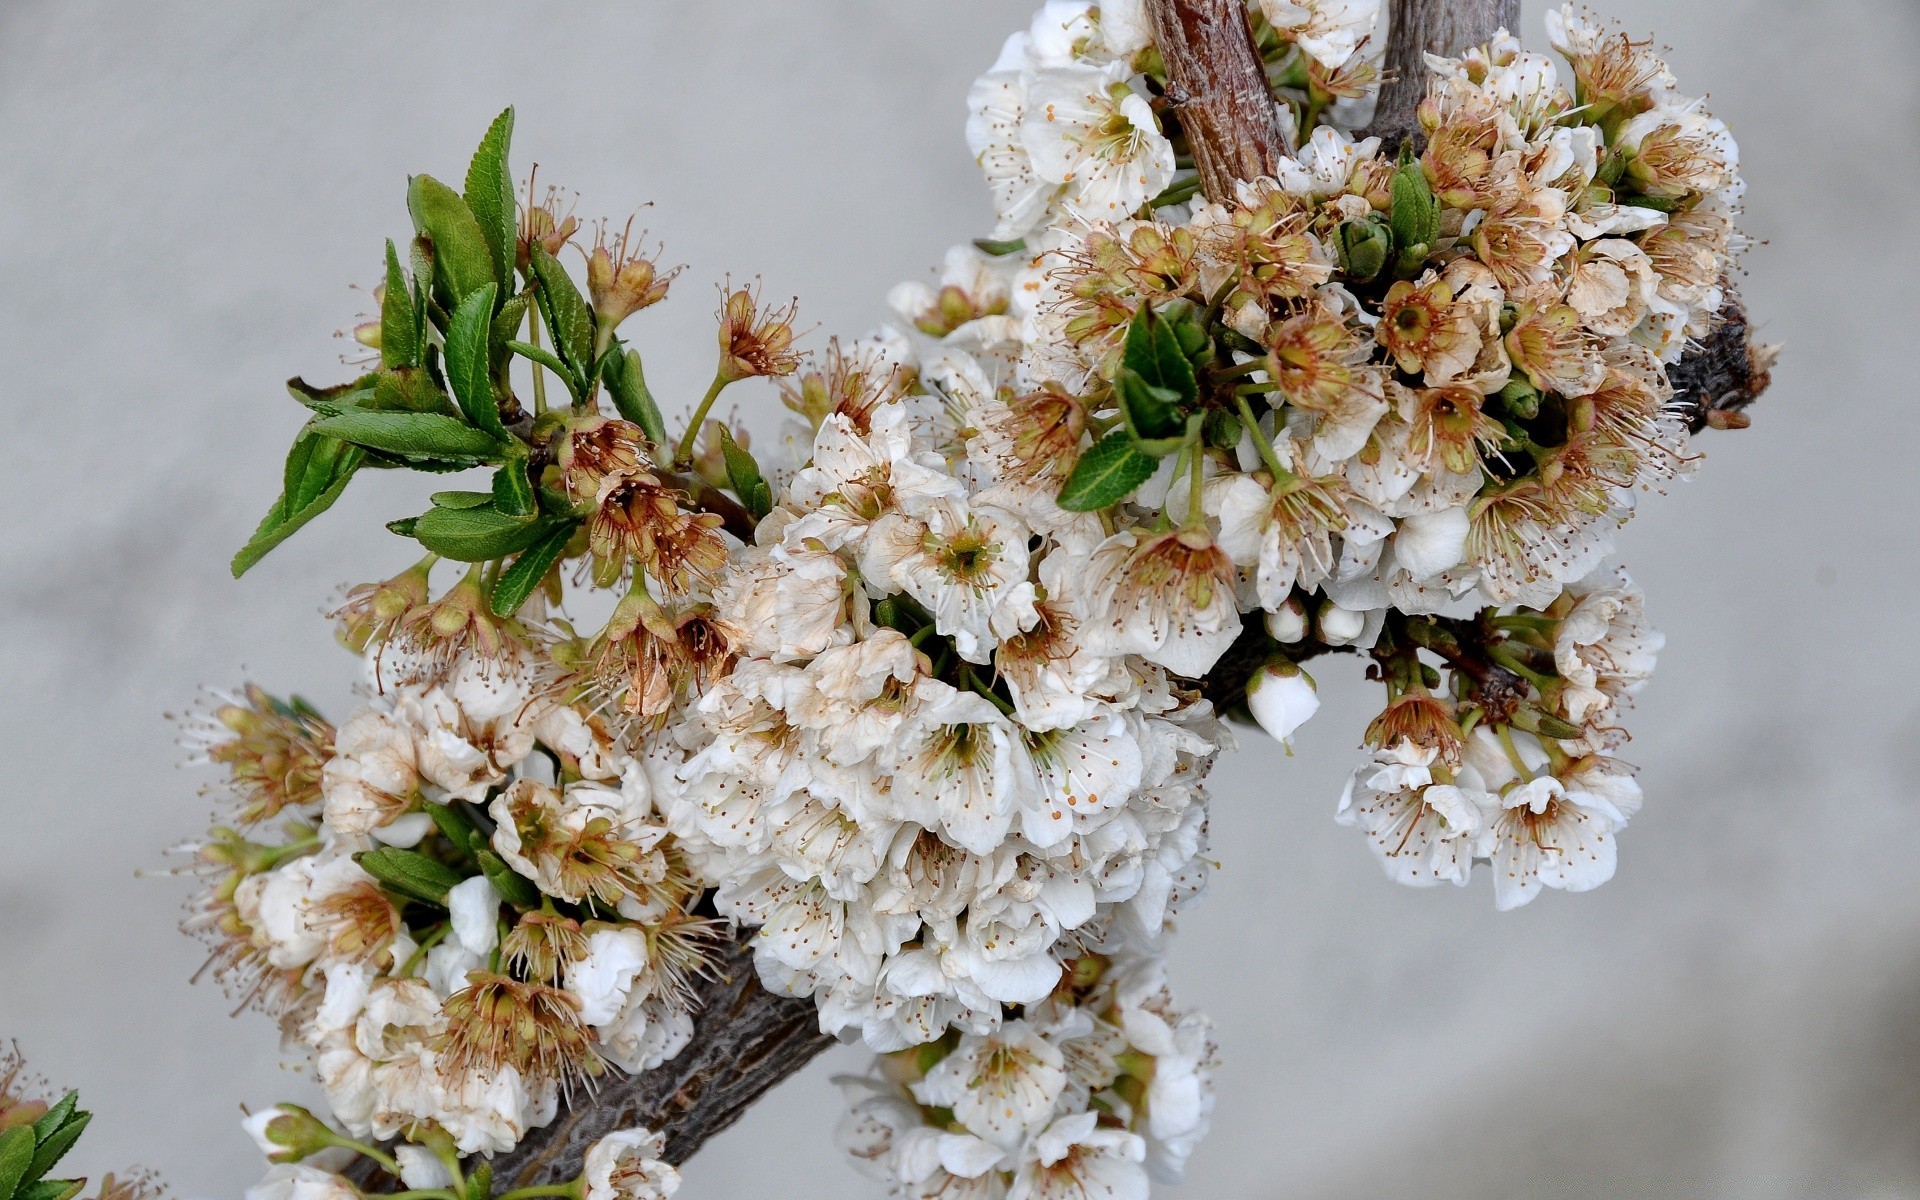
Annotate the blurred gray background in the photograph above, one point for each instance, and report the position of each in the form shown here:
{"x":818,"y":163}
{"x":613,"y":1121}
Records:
{"x":187,"y":190}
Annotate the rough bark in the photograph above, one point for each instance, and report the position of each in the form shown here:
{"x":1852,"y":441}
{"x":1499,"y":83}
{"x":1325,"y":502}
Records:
{"x":1218,"y":88}
{"x":1418,"y":28}
{"x":745,"y":1039}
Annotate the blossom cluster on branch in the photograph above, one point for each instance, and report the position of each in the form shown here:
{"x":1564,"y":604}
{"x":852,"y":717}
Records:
{"x":924,"y":707}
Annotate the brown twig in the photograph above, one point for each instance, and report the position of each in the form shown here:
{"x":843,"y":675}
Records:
{"x":1418,"y":28}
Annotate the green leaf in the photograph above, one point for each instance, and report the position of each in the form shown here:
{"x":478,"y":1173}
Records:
{"x":54,"y":1146}
{"x":399,"y":324}
{"x":995,"y":249}
{"x":333,"y":399}
{"x":51,"y":1189}
{"x":16,"y":1152}
{"x":518,"y":581}
{"x":506,"y":323}
{"x":413,"y":435}
{"x":628,"y":386}
{"x":469,"y":367}
{"x":1152,"y":413}
{"x":479,"y":534}
{"x":409,"y":873}
{"x":457,"y":826}
{"x":568,"y":316}
{"x":1153,"y":352}
{"x":512,"y":493}
{"x":744,"y":474}
{"x":480,"y":1182}
{"x":547,"y":359}
{"x":57,"y":1116}
{"x":461,"y":499}
{"x":405,"y":389}
{"x":317,"y":471}
{"x":490,"y":196}
{"x":516,"y":889}
{"x":462,"y":261}
{"x":1107,"y":474}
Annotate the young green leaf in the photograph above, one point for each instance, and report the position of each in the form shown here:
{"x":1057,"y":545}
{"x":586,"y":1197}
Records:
{"x":16,"y":1153}
{"x":744,"y":474}
{"x":516,"y":889}
{"x":399,"y":330}
{"x":413,"y":436}
{"x":457,"y":826}
{"x":405,"y":389}
{"x":628,"y":386}
{"x":469,"y":366}
{"x":461,"y":499}
{"x":53,"y":1145}
{"x":568,"y":316}
{"x":51,"y":1189}
{"x":462,"y":262}
{"x":480,"y":1182}
{"x":512,"y":493}
{"x":490,"y":196}
{"x":409,"y":873}
{"x":506,"y":324}
{"x":547,"y":359}
{"x":1153,"y":352}
{"x":1152,"y":413}
{"x":479,"y":534}
{"x":1106,"y":474}
{"x":317,"y":471}
{"x":518,"y":581}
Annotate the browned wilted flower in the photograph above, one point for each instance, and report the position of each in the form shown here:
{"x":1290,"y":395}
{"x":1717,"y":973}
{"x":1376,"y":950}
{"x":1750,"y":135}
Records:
{"x":274,"y":752}
{"x":1549,"y":346}
{"x":639,"y":521}
{"x":1450,"y":425}
{"x":622,"y":281}
{"x":756,"y":341}
{"x":371,"y":612}
{"x":20,"y":1103}
{"x":1420,"y":717}
{"x":1314,"y":358}
{"x":1034,"y":438}
{"x":1264,"y":247}
{"x":853,"y":383}
{"x":543,"y":224}
{"x":542,"y":944}
{"x":359,"y":923}
{"x":497,"y":1021}
{"x":578,"y":843}
{"x":646,"y":658}
{"x":1426,"y":332}
{"x":596,"y":447}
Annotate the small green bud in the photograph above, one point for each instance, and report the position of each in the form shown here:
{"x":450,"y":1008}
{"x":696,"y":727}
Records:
{"x":1415,"y":216}
{"x":1222,"y":429}
{"x":1364,"y":247}
{"x":287,"y":1133}
{"x":1521,"y":399}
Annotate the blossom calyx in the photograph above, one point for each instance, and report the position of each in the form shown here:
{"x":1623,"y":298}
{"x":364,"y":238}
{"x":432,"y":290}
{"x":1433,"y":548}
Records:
{"x":287,"y":1133}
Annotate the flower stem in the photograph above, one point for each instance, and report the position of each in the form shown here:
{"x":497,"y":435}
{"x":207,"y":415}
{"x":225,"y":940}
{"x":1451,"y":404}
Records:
{"x":1261,"y":443}
{"x":573,"y":1187}
{"x":683,"y":456}
{"x":539,"y":372}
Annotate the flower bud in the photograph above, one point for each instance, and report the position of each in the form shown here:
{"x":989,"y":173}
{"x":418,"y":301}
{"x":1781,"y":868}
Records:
{"x":1364,"y":247}
{"x":287,"y":1133}
{"x":1288,"y":624}
{"x":1340,"y":626}
{"x":1281,"y":697}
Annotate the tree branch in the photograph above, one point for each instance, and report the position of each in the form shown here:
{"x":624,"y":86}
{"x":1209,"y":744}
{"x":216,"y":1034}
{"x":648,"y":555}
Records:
{"x":1219,"y":91}
{"x":746,"y":1040}
{"x":1418,"y":28}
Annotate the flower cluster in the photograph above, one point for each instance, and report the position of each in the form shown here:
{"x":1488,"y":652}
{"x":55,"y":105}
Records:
{"x":922,"y":709}
{"x":1088,"y":1092}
